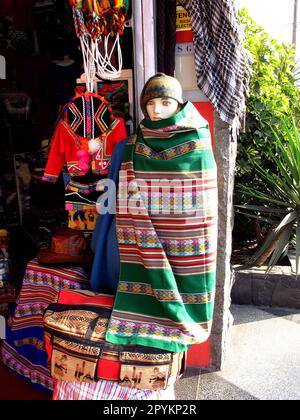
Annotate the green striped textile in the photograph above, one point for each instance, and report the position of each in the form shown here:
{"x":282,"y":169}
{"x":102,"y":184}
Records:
{"x":167,"y":235}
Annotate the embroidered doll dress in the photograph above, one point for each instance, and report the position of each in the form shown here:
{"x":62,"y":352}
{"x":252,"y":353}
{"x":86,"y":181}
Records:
{"x":84,"y":140}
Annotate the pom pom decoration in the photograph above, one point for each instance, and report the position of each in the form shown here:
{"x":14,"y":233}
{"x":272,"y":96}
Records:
{"x":94,"y":146}
{"x":84,"y":160}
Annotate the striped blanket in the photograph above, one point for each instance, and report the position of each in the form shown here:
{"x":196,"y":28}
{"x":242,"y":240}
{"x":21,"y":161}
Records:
{"x":23,"y":350}
{"x":40,"y":287}
{"x":26,"y":367}
{"x":106,"y":390}
{"x":167,"y":235}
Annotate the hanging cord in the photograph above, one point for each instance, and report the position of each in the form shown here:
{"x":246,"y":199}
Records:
{"x":100,"y":43}
{"x":97,"y":63}
{"x":88,"y":48}
{"x":104,"y":66}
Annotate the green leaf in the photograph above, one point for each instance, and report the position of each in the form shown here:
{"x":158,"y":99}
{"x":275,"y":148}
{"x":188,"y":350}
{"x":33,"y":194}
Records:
{"x":261,"y":196}
{"x":262,"y":249}
{"x":289,"y":220}
{"x":268,"y":160}
{"x":283,"y":243}
{"x":260,"y":218}
{"x":261,"y":209}
{"x":278,"y":184}
{"x":290,"y":157}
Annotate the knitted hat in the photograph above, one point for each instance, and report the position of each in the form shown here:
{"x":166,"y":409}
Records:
{"x":160,"y":86}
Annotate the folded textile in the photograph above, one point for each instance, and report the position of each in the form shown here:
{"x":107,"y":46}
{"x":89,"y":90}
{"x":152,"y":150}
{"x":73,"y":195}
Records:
{"x":36,"y":374}
{"x":167,"y":215}
{"x":222,"y":63}
{"x":40,"y":287}
{"x":23,"y":349}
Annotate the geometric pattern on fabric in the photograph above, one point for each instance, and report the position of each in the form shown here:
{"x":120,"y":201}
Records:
{"x":83,"y":220}
{"x":167,"y":235}
{"x":37,"y":374}
{"x":40,"y":287}
{"x":221,"y":61}
{"x":24,"y":350}
{"x":88,"y":115}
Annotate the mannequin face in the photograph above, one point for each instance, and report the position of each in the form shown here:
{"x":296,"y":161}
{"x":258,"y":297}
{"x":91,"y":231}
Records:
{"x":161,"y":108}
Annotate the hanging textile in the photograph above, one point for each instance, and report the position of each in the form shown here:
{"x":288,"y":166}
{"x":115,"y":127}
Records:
{"x":84,"y":140}
{"x":85,"y":137}
{"x":220,"y":58}
{"x":99,"y":25}
{"x":167,"y":235}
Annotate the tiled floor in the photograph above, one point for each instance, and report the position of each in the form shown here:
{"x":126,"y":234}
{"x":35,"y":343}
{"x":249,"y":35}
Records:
{"x":262,"y":362}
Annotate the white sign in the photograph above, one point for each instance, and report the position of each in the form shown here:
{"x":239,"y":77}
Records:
{"x":2,"y":67}
{"x":185,"y":49}
{"x":2,"y":328}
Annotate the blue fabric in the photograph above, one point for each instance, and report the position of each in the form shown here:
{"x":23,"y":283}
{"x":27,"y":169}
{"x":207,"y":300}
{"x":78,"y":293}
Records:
{"x":29,"y":352}
{"x":106,"y":266}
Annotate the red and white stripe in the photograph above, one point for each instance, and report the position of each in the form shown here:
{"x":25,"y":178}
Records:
{"x":106,"y":390}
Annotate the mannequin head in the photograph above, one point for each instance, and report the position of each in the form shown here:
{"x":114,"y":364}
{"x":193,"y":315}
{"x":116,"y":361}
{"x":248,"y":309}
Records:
{"x":162,"y":108}
{"x":161,"y":97}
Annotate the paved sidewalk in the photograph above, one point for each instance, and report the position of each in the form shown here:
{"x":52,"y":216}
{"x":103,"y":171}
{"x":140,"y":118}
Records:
{"x":262,"y":363}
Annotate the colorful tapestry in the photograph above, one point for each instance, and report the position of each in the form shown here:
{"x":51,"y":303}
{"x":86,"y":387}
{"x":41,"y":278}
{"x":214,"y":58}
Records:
{"x":83,"y":219}
{"x":88,"y":116}
{"x":84,"y":140}
{"x":33,"y":371}
{"x":40,"y":287}
{"x":167,"y":235}
{"x":23,"y":349}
